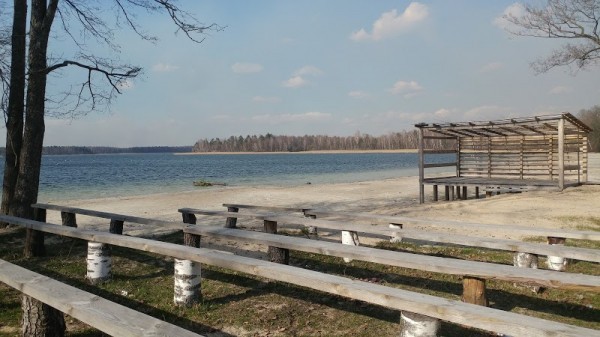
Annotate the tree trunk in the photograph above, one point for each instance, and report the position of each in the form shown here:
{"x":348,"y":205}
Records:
{"x":38,"y":318}
{"x":16,"y":107}
{"x":41,"y":320}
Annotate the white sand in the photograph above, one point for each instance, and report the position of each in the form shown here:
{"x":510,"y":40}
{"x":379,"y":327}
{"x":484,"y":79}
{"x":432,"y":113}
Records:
{"x":566,"y":209}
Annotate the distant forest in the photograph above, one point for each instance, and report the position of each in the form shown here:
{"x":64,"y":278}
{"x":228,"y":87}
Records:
{"x":272,"y":143}
{"x":55,"y":150}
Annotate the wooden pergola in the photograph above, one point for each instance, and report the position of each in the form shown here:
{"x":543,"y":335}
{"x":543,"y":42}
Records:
{"x":505,"y":155}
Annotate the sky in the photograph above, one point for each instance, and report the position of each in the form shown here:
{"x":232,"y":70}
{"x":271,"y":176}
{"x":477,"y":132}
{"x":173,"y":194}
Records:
{"x":333,"y":67}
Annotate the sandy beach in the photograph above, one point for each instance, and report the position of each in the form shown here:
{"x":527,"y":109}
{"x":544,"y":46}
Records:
{"x":572,"y":208}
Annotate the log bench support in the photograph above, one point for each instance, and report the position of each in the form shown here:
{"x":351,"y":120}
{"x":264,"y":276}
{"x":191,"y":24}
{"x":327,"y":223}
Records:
{"x":416,"y":325}
{"x":231,"y":222}
{"x":68,"y":219}
{"x":99,"y":256}
{"x":447,"y":193}
{"x":556,"y":262}
{"x":464,"y":193}
{"x":474,"y":291}
{"x":311,"y":231}
{"x":435,"y":192}
{"x":350,"y":238}
{"x":187,"y":279}
{"x":276,"y":254}
{"x":527,"y":260}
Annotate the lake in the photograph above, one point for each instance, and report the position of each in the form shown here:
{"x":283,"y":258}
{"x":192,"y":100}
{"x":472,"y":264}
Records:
{"x":67,"y":177}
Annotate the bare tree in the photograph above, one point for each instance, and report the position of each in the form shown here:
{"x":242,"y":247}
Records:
{"x":80,"y":20}
{"x":576,"y":21}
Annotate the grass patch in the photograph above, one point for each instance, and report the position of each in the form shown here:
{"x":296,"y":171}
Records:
{"x":237,"y":304}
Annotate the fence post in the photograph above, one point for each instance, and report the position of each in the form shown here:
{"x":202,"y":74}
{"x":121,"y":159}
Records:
{"x":116,"y":226}
{"x":556,"y":262}
{"x":416,"y":325}
{"x":99,"y":255}
{"x":231,"y":222}
{"x":276,"y":254}
{"x":350,"y":238}
{"x":187,"y":279}
{"x":34,"y":240}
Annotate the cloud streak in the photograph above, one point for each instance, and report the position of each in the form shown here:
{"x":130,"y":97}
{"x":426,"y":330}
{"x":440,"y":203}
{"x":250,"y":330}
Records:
{"x":392,"y":23}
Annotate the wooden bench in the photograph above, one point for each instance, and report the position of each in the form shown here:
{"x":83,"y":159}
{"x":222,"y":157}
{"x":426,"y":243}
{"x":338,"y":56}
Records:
{"x":452,"y":311}
{"x":104,"y":315}
{"x":385,"y":231}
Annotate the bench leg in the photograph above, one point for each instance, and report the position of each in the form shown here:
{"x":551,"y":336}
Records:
{"x":350,"y":238}
{"x":476,"y":192}
{"x":556,"y":262}
{"x":526,"y":260}
{"x":447,"y":193}
{"x":311,"y":231}
{"x":276,"y":254}
{"x":474,"y":291}
{"x":416,"y":325}
{"x":187,"y":285}
{"x":99,"y":262}
{"x":231,"y":222}
{"x":435,"y":192}
{"x":464,"y":193}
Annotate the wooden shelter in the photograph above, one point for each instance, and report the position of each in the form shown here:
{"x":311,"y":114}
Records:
{"x":505,"y":155}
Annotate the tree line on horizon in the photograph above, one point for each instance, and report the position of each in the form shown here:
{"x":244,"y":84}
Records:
{"x":282,"y":143}
{"x":68,"y":150}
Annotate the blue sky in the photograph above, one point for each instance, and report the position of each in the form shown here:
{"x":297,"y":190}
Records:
{"x":327,"y":67}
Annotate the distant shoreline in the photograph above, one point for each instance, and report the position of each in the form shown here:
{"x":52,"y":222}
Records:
{"x":301,"y":152}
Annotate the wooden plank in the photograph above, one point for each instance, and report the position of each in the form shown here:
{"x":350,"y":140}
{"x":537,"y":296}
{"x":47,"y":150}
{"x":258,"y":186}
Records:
{"x":383,"y":229}
{"x":431,"y":165}
{"x":550,"y":279}
{"x":106,"y":316}
{"x":452,"y":311}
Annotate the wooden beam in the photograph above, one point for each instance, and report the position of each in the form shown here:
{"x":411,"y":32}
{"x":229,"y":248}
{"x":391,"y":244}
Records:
{"x":561,"y":154}
{"x":421,"y":145}
{"x":452,"y":311}
{"x":106,"y":316}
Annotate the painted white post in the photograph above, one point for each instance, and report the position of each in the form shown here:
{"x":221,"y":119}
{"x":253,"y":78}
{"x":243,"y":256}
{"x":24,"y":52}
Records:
{"x":526,"y":260}
{"x":556,"y":262}
{"x":416,"y":325}
{"x":349,"y":238}
{"x":187,"y":282}
{"x":396,"y":237}
{"x":99,"y":262}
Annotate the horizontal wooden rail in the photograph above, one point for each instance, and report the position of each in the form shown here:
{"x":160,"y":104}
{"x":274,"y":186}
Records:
{"x":438,"y":151}
{"x":549,"y":279}
{"x":432,"y":165}
{"x":449,"y":310}
{"x":583,"y":254}
{"x":104,"y":315}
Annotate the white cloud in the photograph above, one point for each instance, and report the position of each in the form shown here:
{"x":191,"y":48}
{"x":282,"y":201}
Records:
{"x":560,"y":90}
{"x":308,"y":70}
{"x":358,"y":94}
{"x":246,"y":68}
{"x":295,"y":82}
{"x":407,"y":89}
{"x":298,"y":78}
{"x":164,"y":67}
{"x":515,"y":10}
{"x":442,"y":113}
{"x":392,"y":23}
{"x":312,"y":116}
{"x":493,"y":66}
{"x":263,"y":99}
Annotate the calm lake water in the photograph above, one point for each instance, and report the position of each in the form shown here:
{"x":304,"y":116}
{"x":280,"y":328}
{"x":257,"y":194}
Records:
{"x":93,"y":176}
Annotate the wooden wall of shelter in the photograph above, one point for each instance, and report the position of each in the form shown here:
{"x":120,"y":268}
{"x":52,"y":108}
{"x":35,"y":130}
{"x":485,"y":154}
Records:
{"x":542,"y":151}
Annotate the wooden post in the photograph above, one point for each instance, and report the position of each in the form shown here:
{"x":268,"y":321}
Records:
{"x":464,"y":192}
{"x":474,"y":291}
{"x":396,"y":236}
{"x":189,"y":218}
{"x":556,"y":262}
{"x":350,"y":238}
{"x":187,"y":285}
{"x":561,"y":154}
{"x":458,"y":194}
{"x":526,"y":260}
{"x":116,"y":226}
{"x":231,"y":222}
{"x":68,"y":219}
{"x":452,"y":192}
{"x":435,"y":192}
{"x":447,"y":193}
{"x":584,"y":160}
{"x":276,"y":254}
{"x":416,"y":325}
{"x":476,"y":192}
{"x":421,"y":167}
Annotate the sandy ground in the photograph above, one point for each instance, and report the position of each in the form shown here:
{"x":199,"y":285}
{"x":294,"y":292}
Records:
{"x":567,"y":209}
